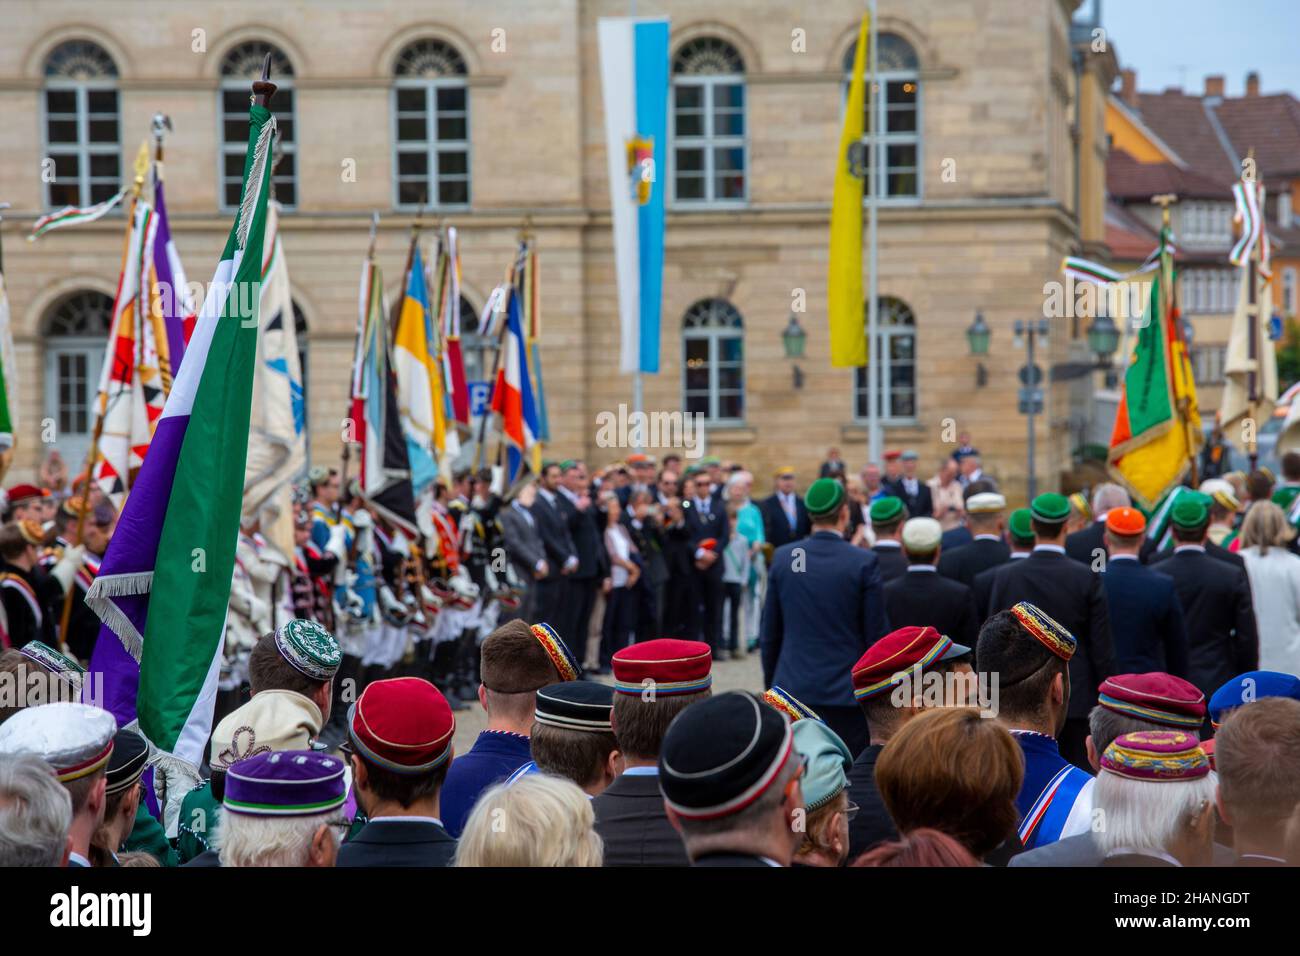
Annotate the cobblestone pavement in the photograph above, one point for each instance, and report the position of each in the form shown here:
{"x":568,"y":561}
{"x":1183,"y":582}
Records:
{"x":743,"y":674}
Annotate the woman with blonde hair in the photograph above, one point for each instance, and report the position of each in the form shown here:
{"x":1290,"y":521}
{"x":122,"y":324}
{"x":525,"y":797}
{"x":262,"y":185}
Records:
{"x":538,"y":820}
{"x":1274,"y":573}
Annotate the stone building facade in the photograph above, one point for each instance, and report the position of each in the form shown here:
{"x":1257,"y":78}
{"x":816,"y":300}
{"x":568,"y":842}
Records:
{"x":994,"y":155}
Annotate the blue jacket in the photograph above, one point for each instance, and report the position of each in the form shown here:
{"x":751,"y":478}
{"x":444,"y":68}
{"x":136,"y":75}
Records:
{"x":1146,"y":619}
{"x":825,"y":606}
{"x":494,"y":756}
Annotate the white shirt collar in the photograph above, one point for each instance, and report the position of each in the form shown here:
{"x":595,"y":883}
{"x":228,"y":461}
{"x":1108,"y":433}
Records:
{"x":988,"y":537}
{"x":1054,"y":548}
{"x":887,"y":543}
{"x":546,"y":493}
{"x":405,"y":820}
{"x":1123,"y":557}
{"x":920,"y":567}
{"x":569,"y":494}
{"x":1019,"y":554}
{"x":1146,"y":851}
{"x":641,"y":772}
{"x":73,"y":855}
{"x":1190,"y":547}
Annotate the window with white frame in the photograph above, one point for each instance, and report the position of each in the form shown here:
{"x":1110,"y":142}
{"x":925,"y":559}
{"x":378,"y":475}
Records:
{"x":708,"y":117}
{"x":713,"y":361}
{"x":430,"y":126}
{"x":897,"y":97}
{"x":895,"y":348}
{"x":1207,"y":223}
{"x":1207,"y":364}
{"x":1209,"y":291}
{"x":239,"y":68}
{"x":1288,"y":291}
{"x":74,"y":335}
{"x":82,"y":128}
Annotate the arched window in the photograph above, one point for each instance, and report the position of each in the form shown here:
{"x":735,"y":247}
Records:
{"x":713,"y":361}
{"x":430,"y":126}
{"x":708,"y":132}
{"x":82,"y":134}
{"x":897,"y":150}
{"x":896,"y":347}
{"x":76,"y":333}
{"x":240,"y":66}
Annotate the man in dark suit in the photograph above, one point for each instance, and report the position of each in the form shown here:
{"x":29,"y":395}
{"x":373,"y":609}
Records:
{"x":1215,"y":597}
{"x":961,"y":535}
{"x":525,"y":549}
{"x":909,"y":653}
{"x":1072,"y":595}
{"x":986,"y":549}
{"x":1146,"y":618}
{"x":630,"y":816}
{"x":706,"y":518}
{"x":561,"y":556}
{"x":1020,"y":533}
{"x":399,"y":744}
{"x":887,"y":517}
{"x":785,"y":518}
{"x":1257,"y":756}
{"x":914,"y":492}
{"x":922,"y":597}
{"x":1084,"y":545}
{"x":641,"y":519}
{"x":730,"y":784}
{"x":824,"y":607}
{"x":583,"y":521}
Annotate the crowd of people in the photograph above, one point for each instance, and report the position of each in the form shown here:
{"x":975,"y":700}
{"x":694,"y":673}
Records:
{"x":946,"y":681}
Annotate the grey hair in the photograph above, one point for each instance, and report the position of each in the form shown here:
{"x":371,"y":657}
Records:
{"x":1146,"y":814}
{"x":35,"y":813}
{"x":1106,"y":726}
{"x":1109,"y":495}
{"x":244,"y":840}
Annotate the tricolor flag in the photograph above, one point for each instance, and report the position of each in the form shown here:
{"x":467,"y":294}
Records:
{"x":137,"y":369}
{"x":277,"y":440}
{"x":512,"y":397}
{"x":385,"y":477}
{"x":419,"y":379}
{"x":453,"y":362}
{"x":1250,"y":368}
{"x":174,"y":300}
{"x":844,"y":282}
{"x":1158,"y":423}
{"x":634,"y":83}
{"x":164,"y":584}
{"x":73,"y":215}
{"x":8,"y":371}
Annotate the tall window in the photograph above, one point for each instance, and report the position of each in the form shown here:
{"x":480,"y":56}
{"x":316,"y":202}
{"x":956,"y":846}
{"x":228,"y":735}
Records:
{"x":82,"y":133}
{"x":713,"y":361}
{"x":1288,"y":292}
{"x":896,"y":347}
{"x":897,"y":149}
{"x":76,"y":332}
{"x":708,"y":134}
{"x":431,"y":126}
{"x":239,"y":68}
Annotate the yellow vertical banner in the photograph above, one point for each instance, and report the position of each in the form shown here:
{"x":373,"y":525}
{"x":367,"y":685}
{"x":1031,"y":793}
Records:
{"x":844,"y":285}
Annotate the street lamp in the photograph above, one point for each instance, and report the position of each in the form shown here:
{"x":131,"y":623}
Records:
{"x":977,"y":337}
{"x":793,"y":339}
{"x":1103,"y":339}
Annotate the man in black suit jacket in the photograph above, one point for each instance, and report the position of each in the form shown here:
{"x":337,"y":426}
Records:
{"x":706,"y":517}
{"x":1215,"y":596}
{"x":585,"y":528}
{"x":887,"y":517}
{"x":785,"y":518}
{"x":561,"y":556}
{"x":400,"y":723}
{"x":987,"y":549}
{"x":923,"y":598}
{"x":1212,"y":550}
{"x":1146,"y":618}
{"x":914,"y":492}
{"x":524,"y":548}
{"x":1084,"y":544}
{"x":1072,"y":595}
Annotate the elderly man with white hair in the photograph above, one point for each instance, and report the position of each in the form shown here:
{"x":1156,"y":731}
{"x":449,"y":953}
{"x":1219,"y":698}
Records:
{"x":1155,"y":801}
{"x":1083,"y":545}
{"x":281,"y":808}
{"x":35,"y":813}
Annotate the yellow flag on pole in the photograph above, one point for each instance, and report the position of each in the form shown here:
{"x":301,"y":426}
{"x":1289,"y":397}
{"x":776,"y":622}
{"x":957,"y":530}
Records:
{"x":844,"y":288}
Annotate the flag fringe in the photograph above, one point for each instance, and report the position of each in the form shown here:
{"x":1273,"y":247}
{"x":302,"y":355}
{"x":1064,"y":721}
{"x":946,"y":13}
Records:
{"x":256,"y":173}
{"x":99,"y":599}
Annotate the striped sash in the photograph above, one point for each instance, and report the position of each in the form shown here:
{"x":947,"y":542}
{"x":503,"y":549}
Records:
{"x":17,"y":583}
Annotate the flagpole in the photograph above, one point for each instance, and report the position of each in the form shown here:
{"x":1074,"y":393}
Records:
{"x":137,"y":187}
{"x":1252,"y":311}
{"x":501,"y":336}
{"x":356,"y":356}
{"x":6,"y":457}
{"x":873,"y":306}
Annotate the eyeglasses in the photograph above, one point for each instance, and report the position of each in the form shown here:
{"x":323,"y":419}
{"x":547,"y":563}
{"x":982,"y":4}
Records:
{"x":851,"y":811}
{"x":340,"y":828}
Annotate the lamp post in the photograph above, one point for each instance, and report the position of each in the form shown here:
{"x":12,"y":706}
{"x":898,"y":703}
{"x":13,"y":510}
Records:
{"x":977,"y":337}
{"x":793,"y":340}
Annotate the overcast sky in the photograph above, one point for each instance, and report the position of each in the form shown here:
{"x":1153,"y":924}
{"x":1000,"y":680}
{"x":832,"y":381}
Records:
{"x":1179,"y":42}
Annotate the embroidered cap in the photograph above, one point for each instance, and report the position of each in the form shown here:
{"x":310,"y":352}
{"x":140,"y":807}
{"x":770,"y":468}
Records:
{"x":788,"y":704}
{"x":722,"y":754}
{"x":51,"y":660}
{"x":1048,"y":633}
{"x":309,"y":648}
{"x":76,"y":740}
{"x":566,"y":664}
{"x":898,"y":656}
{"x":1156,"y":755}
{"x":285,"y":783}
{"x":576,"y":705}
{"x":666,"y":666}
{"x":1157,"y":698}
{"x":271,"y":720}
